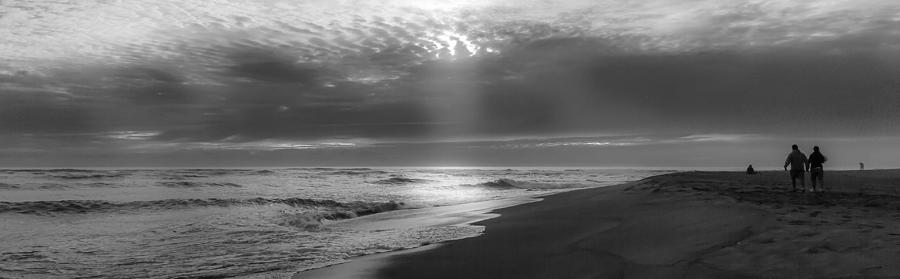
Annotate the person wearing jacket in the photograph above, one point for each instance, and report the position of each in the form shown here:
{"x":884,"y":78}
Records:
{"x":816,"y":172}
{"x":797,"y":161}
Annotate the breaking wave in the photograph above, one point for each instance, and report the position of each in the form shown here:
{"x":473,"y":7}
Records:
{"x":356,"y":172}
{"x":333,"y":210}
{"x":500,"y":183}
{"x":505,"y":183}
{"x":191,"y":184}
{"x":313,"y":220}
{"x":89,"y":176}
{"x":399,"y":180}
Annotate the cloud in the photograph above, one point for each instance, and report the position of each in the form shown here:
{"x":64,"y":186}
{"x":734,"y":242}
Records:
{"x":132,"y":135}
{"x":275,"y":71}
{"x":44,"y":117}
{"x":205,"y":73}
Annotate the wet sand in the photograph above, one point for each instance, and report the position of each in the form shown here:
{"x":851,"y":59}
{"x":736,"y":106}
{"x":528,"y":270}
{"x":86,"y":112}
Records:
{"x":682,"y":225}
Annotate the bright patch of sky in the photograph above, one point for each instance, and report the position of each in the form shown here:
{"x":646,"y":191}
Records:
{"x":113,"y":77}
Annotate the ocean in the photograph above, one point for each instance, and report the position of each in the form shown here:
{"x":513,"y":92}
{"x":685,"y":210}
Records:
{"x":221,"y":223}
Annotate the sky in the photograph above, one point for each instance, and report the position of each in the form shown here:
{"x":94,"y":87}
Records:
{"x":606,"y":83}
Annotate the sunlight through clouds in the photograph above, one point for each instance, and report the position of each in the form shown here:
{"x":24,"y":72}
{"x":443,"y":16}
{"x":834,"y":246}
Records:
{"x":132,"y":31}
{"x":304,"y":75}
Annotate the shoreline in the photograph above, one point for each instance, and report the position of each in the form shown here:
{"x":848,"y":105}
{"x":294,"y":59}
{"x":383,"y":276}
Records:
{"x":466,"y":214}
{"x":463,"y":215}
{"x":365,"y":265}
{"x":695,"y":224}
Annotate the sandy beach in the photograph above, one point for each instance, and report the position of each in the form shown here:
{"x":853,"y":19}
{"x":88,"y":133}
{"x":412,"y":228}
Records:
{"x":681,"y":225}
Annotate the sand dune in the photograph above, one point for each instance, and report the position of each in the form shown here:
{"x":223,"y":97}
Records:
{"x":682,"y":225}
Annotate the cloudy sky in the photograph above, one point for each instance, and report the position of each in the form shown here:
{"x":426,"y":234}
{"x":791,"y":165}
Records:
{"x":693,"y":83}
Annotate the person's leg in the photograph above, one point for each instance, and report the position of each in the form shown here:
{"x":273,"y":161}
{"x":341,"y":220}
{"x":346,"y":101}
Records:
{"x":793,"y":180}
{"x":802,"y":178}
{"x":812,"y":179}
{"x":822,"y":180}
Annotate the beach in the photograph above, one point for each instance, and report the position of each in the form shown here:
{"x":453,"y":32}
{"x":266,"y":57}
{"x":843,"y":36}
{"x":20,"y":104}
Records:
{"x":680,"y":225}
{"x":254,"y":223}
{"x":269,"y":139}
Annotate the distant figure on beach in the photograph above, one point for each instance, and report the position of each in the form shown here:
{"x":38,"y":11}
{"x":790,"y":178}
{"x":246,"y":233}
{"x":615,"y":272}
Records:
{"x":750,"y":169}
{"x":862,"y":166}
{"x":816,"y":171}
{"x":797,"y":161}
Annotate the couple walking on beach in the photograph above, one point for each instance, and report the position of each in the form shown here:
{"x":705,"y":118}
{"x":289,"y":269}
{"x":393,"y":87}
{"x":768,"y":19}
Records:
{"x":800,"y":165}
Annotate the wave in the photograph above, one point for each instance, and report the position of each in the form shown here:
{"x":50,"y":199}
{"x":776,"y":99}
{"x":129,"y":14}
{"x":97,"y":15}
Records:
{"x":212,"y":172}
{"x":355,"y":172}
{"x":325,"y":169}
{"x":313,"y":220}
{"x":53,"y":186}
{"x":500,"y":183}
{"x":7,"y":186}
{"x":505,"y":183}
{"x":89,"y":176}
{"x":399,"y":180}
{"x":73,"y":173}
{"x":192,"y":184}
{"x":50,"y":170}
{"x":184,"y":176}
{"x":335,"y":210}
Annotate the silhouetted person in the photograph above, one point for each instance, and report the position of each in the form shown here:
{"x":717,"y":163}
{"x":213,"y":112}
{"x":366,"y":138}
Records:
{"x":816,"y":171}
{"x":750,"y":170}
{"x":862,"y":166}
{"x":797,"y":161}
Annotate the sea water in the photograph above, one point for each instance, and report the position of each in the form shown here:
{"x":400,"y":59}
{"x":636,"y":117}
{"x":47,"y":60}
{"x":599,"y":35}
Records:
{"x":217,"y":223}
